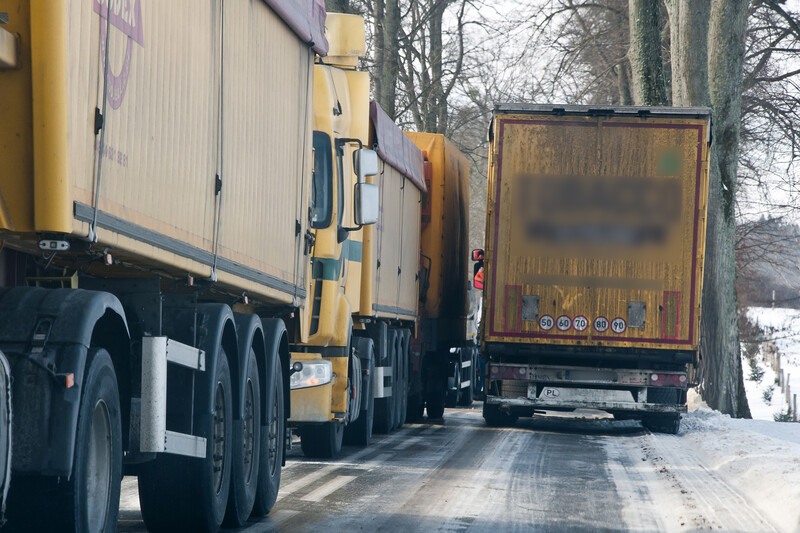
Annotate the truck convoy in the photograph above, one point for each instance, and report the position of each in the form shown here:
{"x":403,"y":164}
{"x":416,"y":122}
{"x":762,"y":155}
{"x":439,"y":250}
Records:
{"x":595,"y":237}
{"x":186,"y":273}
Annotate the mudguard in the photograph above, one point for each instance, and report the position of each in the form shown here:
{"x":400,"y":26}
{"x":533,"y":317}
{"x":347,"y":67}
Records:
{"x":45,"y":334}
{"x":276,"y":345}
{"x":366,"y":353}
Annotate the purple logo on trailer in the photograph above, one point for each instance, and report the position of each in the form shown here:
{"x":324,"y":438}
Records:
{"x":126,"y":16}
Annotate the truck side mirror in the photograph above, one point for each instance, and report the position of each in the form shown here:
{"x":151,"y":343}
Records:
{"x":365,"y":163}
{"x":366,"y":199}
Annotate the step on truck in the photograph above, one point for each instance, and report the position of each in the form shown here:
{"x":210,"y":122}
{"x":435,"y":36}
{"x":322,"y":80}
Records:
{"x":593,"y":263}
{"x":157,"y":229}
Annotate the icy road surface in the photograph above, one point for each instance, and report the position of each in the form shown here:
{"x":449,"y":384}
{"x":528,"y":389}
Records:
{"x":552,"y":473}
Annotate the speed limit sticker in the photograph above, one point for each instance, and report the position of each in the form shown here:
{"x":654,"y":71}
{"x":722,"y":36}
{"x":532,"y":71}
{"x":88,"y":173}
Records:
{"x":564,"y":322}
{"x":600,"y":324}
{"x":580,"y":323}
{"x":618,"y":325}
{"x":546,"y":322}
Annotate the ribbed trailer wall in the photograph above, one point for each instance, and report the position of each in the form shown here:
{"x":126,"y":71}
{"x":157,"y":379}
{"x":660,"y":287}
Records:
{"x":596,"y":229}
{"x":205,"y":138}
{"x":396,"y":236}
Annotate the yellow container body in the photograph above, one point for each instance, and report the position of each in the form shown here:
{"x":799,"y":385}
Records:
{"x":189,"y":95}
{"x":445,"y":234}
{"x":596,"y":230}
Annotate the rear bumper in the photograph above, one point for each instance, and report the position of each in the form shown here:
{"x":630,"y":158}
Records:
{"x":610,"y":406}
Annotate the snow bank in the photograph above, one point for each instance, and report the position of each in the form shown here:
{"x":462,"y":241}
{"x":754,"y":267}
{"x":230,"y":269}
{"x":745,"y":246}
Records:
{"x":761,"y":459}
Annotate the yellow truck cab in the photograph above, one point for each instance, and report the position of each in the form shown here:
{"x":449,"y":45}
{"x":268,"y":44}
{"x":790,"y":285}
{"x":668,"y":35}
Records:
{"x":327,"y":391}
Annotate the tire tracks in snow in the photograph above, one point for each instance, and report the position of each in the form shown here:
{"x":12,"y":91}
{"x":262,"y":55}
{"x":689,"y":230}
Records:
{"x":692,"y":496}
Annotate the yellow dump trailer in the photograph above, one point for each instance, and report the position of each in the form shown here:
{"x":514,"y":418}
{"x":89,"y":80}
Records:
{"x":447,"y":356}
{"x":594,"y":259}
{"x":158,"y":154}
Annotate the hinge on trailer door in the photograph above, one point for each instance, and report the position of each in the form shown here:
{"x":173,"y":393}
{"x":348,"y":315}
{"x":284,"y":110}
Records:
{"x":217,"y":184}
{"x":98,"y":120}
{"x":310,"y":239}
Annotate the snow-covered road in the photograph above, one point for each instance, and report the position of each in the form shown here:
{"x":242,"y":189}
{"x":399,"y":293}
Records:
{"x":574,"y":472}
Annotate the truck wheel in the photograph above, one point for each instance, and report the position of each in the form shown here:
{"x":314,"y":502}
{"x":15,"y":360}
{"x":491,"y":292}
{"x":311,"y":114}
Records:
{"x":90,"y":499}
{"x":359,"y":433}
{"x":402,"y":366}
{"x":271,"y":449}
{"x":453,"y":385}
{"x":662,"y":422}
{"x":246,"y":451}
{"x":186,"y":493}
{"x":416,"y":408}
{"x":384,"y":407}
{"x":434,"y":399}
{"x":397,"y":382}
{"x":322,"y":441}
{"x":496,"y":417}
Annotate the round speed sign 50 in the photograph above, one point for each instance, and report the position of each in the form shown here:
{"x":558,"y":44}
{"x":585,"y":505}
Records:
{"x":546,"y":322}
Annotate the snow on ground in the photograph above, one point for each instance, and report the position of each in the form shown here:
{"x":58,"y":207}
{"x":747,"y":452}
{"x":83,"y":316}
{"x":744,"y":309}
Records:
{"x":760,"y":459}
{"x":782,"y":330}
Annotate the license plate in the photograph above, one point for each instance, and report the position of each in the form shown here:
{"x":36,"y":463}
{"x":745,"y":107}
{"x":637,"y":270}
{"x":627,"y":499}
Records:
{"x":548,"y":393}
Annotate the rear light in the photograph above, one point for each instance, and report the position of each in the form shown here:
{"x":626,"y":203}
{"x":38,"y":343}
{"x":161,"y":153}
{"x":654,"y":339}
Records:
{"x":313,"y":374}
{"x":668,"y":380}
{"x":508,"y":372}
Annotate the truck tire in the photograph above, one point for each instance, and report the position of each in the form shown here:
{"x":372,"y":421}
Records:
{"x":384,"y":407}
{"x":322,"y":441}
{"x":397,"y":383}
{"x":359,"y":433}
{"x":186,"y":493}
{"x":272,"y":448}
{"x":662,"y":422}
{"x":496,"y":417}
{"x":90,"y":499}
{"x":245,"y":454}
{"x":403,"y":337}
{"x":434,"y":398}
{"x":466,"y":399}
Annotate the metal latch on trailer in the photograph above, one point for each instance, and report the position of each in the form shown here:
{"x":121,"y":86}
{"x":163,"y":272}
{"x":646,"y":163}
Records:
{"x":9,"y":51}
{"x":153,"y":433}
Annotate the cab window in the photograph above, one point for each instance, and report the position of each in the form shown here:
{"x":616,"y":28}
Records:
{"x":321,"y":208}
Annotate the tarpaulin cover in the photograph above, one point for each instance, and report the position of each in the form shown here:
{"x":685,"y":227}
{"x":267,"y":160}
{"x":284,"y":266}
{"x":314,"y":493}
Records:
{"x":306,"y":18}
{"x":395,"y":148}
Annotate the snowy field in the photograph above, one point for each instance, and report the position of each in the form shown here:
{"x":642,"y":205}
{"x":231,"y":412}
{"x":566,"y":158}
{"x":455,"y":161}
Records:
{"x":782,"y":332}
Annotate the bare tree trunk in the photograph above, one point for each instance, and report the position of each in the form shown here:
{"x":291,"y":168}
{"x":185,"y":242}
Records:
{"x":725,"y":65}
{"x":698,"y":73}
{"x":649,"y":88}
{"x":389,"y":44}
{"x":437,"y":113}
{"x":624,"y":83}
{"x":338,"y":6}
{"x":387,"y":53}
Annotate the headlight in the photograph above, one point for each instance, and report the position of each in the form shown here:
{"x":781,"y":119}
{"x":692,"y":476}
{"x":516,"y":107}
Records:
{"x":314,"y":373}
